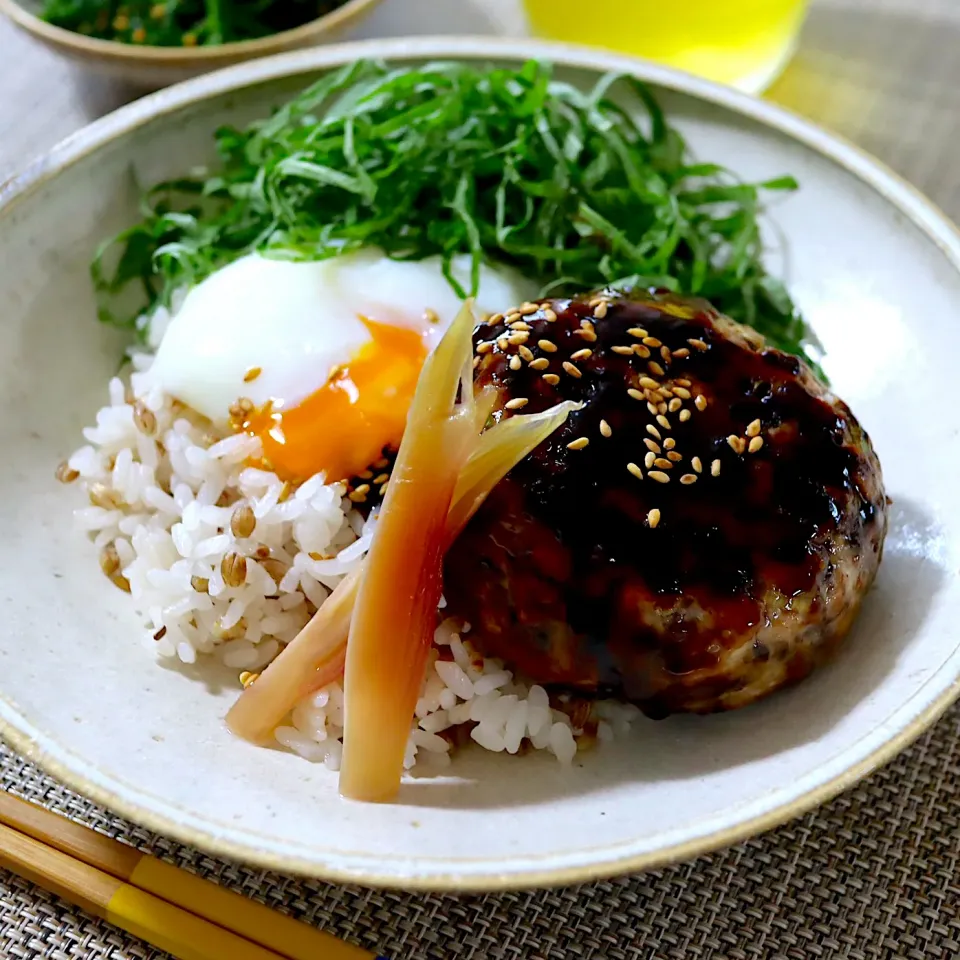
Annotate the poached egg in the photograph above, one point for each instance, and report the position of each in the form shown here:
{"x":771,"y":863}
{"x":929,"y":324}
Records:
{"x":327,"y":352}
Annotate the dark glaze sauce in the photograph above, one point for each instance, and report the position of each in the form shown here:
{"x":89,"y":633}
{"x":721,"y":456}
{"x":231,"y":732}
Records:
{"x":579,"y":521}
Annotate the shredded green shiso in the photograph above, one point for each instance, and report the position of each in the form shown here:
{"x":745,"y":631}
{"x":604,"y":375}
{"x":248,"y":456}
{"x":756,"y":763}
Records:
{"x":508,"y":165}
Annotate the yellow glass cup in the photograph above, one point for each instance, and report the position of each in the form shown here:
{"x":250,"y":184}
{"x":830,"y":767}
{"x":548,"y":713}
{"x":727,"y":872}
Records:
{"x":744,"y":43}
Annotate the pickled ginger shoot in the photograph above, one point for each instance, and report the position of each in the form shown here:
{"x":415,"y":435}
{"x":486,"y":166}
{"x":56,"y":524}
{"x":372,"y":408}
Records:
{"x":379,"y":621}
{"x":317,"y":655}
{"x":396,"y":610}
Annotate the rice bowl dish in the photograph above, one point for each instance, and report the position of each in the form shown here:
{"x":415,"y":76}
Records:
{"x":323,"y":411}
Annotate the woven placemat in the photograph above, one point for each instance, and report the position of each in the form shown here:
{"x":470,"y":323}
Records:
{"x":874,"y":875}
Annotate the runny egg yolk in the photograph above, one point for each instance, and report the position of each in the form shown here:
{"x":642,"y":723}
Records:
{"x":343,"y":427}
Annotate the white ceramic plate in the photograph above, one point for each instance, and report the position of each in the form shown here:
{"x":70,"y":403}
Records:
{"x":875,"y":268}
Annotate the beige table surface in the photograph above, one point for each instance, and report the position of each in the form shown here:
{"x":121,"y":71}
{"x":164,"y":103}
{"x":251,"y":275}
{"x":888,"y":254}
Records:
{"x":874,"y":875}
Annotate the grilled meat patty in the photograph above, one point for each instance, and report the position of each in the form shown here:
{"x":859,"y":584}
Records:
{"x":700,"y":534}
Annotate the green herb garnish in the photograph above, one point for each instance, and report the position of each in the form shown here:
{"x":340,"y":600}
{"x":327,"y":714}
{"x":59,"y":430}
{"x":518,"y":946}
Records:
{"x":510,"y":166}
{"x":187,"y":23}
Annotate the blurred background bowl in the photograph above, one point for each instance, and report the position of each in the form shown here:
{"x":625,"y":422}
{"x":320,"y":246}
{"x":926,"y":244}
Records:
{"x":153,"y":67}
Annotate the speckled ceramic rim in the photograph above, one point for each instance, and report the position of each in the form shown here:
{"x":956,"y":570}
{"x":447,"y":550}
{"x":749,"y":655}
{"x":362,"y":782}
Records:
{"x":113,"y":52}
{"x":607,"y":862}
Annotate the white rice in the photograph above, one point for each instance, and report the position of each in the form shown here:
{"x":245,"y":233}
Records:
{"x":164,"y":501}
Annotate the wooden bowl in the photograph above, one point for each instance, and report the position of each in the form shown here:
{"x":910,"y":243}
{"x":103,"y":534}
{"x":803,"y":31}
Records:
{"x":155,"y":67}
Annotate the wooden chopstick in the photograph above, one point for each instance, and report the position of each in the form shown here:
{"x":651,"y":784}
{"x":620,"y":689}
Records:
{"x":173,"y":909}
{"x":166,"y":926}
